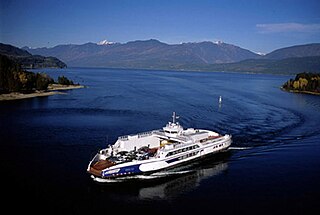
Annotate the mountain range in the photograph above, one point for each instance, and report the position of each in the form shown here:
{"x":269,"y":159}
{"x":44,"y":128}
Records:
{"x":27,"y":60}
{"x":201,"y":56}
{"x":207,"y":56}
{"x":148,"y":54}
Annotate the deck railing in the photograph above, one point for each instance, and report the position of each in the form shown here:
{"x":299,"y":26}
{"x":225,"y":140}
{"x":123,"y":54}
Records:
{"x":140,"y":135}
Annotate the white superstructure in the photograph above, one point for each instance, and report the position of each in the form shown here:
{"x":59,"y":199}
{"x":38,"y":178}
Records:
{"x":156,"y":150}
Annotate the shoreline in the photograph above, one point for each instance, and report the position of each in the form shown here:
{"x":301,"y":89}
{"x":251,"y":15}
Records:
{"x":53,"y":89}
{"x":303,"y":92}
{"x":188,"y":70}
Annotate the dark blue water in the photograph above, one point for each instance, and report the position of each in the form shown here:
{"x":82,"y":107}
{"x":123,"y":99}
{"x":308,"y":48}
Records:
{"x":273,"y":166}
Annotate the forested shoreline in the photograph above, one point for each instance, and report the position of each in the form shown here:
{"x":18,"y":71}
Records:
{"x":304,"y":83}
{"x":15,"y":79}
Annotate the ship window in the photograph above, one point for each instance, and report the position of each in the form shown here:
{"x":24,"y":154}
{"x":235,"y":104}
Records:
{"x":183,"y":150}
{"x":171,"y":132}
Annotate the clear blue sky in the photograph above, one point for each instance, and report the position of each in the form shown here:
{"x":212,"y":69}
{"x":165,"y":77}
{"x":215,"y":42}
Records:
{"x":257,"y":25}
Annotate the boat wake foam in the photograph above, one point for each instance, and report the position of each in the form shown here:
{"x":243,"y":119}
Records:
{"x":239,"y":148}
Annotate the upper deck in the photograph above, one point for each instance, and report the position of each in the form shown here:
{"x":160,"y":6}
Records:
{"x":172,"y":134}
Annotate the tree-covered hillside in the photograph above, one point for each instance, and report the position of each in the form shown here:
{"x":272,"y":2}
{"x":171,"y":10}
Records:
{"x":15,"y":79}
{"x":304,"y":82}
{"x":29,"y":61}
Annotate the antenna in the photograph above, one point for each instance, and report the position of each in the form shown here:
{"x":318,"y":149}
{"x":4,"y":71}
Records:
{"x":174,"y":117}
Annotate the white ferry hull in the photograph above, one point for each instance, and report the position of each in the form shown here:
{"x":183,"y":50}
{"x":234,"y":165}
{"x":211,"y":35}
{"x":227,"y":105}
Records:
{"x":149,"y":166}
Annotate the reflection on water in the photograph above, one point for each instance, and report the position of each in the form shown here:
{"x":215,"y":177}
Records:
{"x":185,"y":183}
{"x":53,"y":138}
{"x":164,"y":185}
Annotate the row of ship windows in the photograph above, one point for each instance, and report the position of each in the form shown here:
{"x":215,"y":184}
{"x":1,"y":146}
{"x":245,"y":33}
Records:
{"x":171,"y":132}
{"x":216,"y":146}
{"x":188,"y":155}
{"x":182,"y":150}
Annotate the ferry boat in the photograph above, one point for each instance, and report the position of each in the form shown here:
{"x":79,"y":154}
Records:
{"x":155,"y":151}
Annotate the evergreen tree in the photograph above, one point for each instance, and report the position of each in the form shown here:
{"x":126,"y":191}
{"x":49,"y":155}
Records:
{"x":64,"y":81}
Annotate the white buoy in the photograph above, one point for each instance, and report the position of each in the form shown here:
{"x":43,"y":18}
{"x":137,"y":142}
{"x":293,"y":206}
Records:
{"x":220,"y":100}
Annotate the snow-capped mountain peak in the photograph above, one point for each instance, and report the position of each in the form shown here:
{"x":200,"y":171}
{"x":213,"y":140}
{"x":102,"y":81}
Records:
{"x":105,"y":42}
{"x":260,"y":53}
{"x":218,"y":42}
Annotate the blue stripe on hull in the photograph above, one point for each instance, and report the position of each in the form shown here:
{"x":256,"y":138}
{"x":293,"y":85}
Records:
{"x":123,"y":171}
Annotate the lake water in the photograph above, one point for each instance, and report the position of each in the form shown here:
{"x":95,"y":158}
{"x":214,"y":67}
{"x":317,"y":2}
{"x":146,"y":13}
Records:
{"x":273,"y":166}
